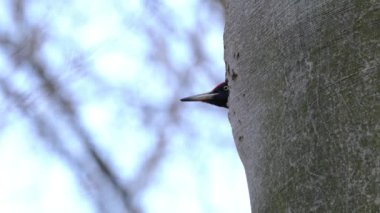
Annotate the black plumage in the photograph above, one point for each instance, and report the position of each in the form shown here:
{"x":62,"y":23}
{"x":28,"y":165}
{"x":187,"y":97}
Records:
{"x":218,"y":96}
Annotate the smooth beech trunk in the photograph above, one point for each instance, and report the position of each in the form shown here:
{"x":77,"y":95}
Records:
{"x":305,"y":102}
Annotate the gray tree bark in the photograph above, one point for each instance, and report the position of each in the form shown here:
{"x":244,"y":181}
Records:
{"x":305,"y":102}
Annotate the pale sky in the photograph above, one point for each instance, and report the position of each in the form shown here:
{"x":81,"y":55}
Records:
{"x":205,"y":179}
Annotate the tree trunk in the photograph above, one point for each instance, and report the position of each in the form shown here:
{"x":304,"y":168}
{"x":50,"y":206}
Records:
{"x":305,"y":102}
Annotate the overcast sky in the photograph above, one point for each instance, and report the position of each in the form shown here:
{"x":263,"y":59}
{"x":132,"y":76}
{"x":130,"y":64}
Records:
{"x":208,"y":177}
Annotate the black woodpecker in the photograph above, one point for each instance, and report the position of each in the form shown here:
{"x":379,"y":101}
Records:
{"x":218,"y":96}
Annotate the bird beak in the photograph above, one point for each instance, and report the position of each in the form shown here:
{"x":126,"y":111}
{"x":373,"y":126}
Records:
{"x":201,"y":97}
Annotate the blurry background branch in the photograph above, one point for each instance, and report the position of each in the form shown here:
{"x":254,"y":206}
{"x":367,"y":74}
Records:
{"x":98,"y":83}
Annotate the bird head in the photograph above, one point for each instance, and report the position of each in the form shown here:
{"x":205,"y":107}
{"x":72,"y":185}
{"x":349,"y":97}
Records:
{"x":218,"y":96}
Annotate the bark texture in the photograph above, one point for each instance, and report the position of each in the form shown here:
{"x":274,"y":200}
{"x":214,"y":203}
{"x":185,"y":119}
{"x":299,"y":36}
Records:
{"x":305,"y":102}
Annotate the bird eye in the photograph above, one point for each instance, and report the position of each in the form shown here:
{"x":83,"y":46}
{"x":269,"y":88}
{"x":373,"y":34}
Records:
{"x":225,"y":88}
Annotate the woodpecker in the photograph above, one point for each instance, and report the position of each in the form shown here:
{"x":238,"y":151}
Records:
{"x":218,"y":96}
